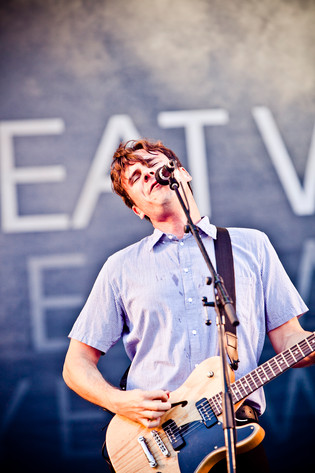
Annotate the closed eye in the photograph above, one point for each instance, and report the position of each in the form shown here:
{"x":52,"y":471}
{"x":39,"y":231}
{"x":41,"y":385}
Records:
{"x":136,"y":174}
{"x":134,"y":177}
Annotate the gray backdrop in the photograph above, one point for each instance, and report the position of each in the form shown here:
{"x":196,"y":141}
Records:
{"x":230,"y":87}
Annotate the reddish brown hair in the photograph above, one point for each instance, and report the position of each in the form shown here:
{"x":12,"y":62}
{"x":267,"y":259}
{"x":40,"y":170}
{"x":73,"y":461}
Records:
{"x":125,"y":155}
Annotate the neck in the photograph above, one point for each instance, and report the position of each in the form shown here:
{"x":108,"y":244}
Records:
{"x":175,"y":222}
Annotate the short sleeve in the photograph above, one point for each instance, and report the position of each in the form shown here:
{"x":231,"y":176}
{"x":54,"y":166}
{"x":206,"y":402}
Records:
{"x":100,"y":323}
{"x":282,"y":300}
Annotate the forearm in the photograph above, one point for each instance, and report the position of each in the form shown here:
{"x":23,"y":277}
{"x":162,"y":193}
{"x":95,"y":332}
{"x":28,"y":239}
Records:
{"x":289,"y":334}
{"x":83,"y":377}
{"x":295,"y":338}
{"x":81,"y":374}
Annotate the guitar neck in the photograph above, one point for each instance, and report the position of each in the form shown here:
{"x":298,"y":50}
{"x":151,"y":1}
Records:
{"x":266,"y":372}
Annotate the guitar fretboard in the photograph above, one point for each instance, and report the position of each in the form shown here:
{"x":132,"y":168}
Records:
{"x":266,"y":372}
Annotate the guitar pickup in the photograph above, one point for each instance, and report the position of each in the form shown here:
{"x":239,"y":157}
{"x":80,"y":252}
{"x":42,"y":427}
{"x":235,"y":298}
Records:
{"x":207,"y":415}
{"x":173,"y":434}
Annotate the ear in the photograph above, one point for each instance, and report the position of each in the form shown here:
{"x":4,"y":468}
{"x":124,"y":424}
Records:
{"x":138,"y":212}
{"x":186,"y":174}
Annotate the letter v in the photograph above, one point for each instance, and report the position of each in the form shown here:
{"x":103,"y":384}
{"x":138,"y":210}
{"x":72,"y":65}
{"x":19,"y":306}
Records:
{"x":301,"y":198}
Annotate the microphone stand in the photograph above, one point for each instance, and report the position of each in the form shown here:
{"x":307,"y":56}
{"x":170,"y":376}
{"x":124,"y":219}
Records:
{"x":223,"y":307}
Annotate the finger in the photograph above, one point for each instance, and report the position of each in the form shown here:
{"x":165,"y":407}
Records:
{"x":151,"y":414}
{"x":164,"y":395}
{"x":158,"y":395}
{"x":158,"y":406}
{"x":151,"y":423}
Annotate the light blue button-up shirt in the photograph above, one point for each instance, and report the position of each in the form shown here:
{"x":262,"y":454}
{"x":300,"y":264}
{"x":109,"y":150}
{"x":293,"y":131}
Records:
{"x":150,"y":294}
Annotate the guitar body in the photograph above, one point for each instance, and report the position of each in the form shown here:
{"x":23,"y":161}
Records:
{"x":201,"y":441}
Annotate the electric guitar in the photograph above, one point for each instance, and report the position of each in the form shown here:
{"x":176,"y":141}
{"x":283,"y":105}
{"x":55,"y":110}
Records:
{"x":190,"y":437}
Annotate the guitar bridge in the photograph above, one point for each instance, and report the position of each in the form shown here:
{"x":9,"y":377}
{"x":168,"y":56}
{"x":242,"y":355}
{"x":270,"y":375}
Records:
{"x":146,"y":451}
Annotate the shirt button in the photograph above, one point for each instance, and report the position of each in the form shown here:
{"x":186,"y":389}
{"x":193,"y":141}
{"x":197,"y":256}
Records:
{"x":196,"y":365}
{"x":194,"y":332}
{"x":182,"y":243}
{"x":190,"y":299}
{"x":186,"y":270}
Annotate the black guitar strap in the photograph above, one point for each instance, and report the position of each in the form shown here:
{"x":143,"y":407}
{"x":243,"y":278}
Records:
{"x":225,"y":269}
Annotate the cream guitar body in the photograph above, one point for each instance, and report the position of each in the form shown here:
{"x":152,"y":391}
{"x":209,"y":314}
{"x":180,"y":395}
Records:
{"x":190,"y":438}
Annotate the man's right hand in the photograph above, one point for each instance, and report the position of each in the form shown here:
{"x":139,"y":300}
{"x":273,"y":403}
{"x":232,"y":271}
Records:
{"x":145,"y":407}
{"x":82,"y":375}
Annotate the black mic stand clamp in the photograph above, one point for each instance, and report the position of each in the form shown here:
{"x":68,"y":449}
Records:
{"x":223,"y":307}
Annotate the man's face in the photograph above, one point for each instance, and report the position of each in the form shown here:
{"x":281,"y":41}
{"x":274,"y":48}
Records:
{"x":149,"y":197}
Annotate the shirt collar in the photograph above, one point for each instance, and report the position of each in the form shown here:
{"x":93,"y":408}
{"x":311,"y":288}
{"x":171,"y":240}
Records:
{"x":207,"y":227}
{"x":155,"y":238}
{"x":204,"y":225}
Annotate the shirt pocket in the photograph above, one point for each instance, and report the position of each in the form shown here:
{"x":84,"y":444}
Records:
{"x":245,"y":297}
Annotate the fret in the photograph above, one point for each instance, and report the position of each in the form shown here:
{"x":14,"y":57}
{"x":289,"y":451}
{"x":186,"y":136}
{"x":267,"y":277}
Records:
{"x":308,"y":343}
{"x":261,"y":368}
{"x":247,"y":384}
{"x":303,"y":345}
{"x":218,"y":401}
{"x":253,"y":380}
{"x":257,"y":372}
{"x":235,"y":396}
{"x":285,"y":360}
{"x":239,"y":382}
{"x":219,"y":398}
{"x":289,"y":354}
{"x":265,"y":372}
{"x":270,"y":366}
{"x":214,"y":406}
{"x":270,"y":374}
{"x":297,"y":353}
{"x":257,"y":379}
{"x":301,"y":350}
{"x":281,"y":361}
{"x":290,"y":351}
{"x":235,"y":384}
{"x":278,"y":364}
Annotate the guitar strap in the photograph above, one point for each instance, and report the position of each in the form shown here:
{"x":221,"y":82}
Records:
{"x":225,"y":269}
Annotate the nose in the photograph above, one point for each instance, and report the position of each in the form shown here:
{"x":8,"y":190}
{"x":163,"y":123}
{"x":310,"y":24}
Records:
{"x":148,"y":175}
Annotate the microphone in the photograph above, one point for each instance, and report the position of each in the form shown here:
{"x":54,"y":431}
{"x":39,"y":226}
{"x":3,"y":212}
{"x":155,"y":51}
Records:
{"x":163,"y":174}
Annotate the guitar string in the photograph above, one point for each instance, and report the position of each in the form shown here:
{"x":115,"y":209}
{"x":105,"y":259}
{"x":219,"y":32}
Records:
{"x":254,"y":380}
{"x":217,"y":401}
{"x":189,"y":427}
